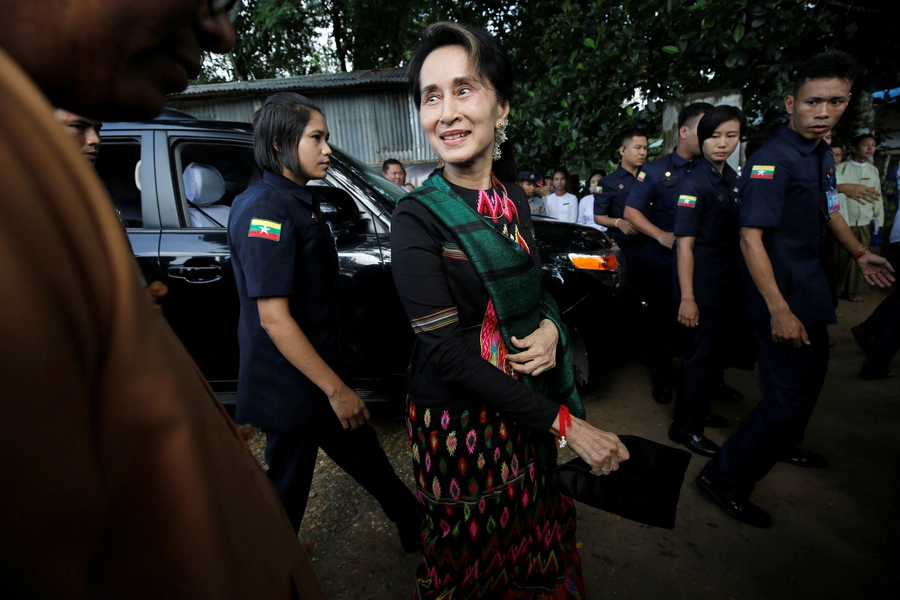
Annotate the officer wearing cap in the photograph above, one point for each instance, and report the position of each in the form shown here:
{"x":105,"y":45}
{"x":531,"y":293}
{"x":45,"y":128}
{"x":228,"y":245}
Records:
{"x":787,"y":201}
{"x":530,"y":182}
{"x":286,"y":271}
{"x":610,"y":198}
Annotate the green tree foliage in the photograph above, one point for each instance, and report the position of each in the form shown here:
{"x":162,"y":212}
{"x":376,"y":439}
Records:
{"x":383,"y":34}
{"x":275,"y":38}
{"x":284,"y":37}
{"x":581,"y":70}
{"x":587,"y":69}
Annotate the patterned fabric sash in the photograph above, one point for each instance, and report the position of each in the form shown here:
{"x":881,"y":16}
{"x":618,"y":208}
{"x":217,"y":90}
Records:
{"x":512,"y":282}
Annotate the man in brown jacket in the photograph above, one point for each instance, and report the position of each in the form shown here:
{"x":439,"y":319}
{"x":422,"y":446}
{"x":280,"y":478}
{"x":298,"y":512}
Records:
{"x":122,"y":477}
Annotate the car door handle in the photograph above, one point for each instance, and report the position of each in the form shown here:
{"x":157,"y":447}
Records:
{"x":206,"y":274}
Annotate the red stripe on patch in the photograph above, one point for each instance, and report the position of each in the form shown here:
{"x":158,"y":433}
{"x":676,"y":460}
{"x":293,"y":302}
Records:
{"x":265,"y":236}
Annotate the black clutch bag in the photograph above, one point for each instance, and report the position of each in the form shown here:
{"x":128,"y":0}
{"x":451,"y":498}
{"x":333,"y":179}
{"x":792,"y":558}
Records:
{"x":644,"y":489}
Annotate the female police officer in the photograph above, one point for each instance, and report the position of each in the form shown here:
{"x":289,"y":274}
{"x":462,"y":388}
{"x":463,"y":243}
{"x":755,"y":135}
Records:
{"x":285,"y":267}
{"x":706,"y":230}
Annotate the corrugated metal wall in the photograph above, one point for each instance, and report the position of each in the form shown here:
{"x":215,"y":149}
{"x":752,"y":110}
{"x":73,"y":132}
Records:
{"x":371,"y":125}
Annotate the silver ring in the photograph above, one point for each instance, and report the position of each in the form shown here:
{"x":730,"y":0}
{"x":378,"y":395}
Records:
{"x":605,"y":470}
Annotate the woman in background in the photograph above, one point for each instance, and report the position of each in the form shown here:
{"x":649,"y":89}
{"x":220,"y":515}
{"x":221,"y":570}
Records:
{"x":562,"y":205}
{"x":586,"y":204}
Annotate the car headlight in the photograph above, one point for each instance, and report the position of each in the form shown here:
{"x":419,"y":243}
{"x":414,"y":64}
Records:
{"x":595,"y":262}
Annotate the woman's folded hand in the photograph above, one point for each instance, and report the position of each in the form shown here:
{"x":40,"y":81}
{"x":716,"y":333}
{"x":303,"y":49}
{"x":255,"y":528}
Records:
{"x":538,"y":350}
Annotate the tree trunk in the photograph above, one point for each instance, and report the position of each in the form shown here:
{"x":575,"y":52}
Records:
{"x":864,"y":113}
{"x":238,"y":76}
{"x":337,"y":31}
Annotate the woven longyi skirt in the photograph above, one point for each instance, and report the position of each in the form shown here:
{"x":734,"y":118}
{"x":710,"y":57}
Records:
{"x":493,"y":525}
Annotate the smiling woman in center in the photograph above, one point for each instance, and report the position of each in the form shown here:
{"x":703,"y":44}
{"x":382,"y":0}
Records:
{"x":492,"y":381}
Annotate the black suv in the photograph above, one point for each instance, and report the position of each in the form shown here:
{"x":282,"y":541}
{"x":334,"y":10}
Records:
{"x":179,"y":238}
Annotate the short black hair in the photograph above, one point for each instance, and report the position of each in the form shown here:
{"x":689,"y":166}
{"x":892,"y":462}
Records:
{"x":561,"y":170}
{"x":827,"y":65}
{"x":836,"y":144}
{"x":715,"y":117}
{"x":599,"y":172}
{"x":489,"y":58}
{"x":859,"y":138}
{"x":389,"y":162}
{"x":629,"y":134}
{"x":277,"y":127}
{"x":691,"y":111}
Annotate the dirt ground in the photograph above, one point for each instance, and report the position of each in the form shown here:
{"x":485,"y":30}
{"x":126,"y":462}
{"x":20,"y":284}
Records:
{"x":834,"y":532}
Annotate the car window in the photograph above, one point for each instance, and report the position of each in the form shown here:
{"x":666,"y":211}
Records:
{"x":210,"y":174}
{"x":336,"y":204}
{"x":388,"y":189}
{"x":119,"y":168}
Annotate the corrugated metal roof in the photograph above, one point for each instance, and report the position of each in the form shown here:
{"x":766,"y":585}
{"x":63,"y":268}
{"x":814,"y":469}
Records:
{"x":319,"y":81}
{"x":371,"y":125}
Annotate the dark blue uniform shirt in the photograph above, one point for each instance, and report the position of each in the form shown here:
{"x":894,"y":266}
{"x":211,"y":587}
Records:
{"x":610,"y":201}
{"x":655,"y":194}
{"x":282,"y":247}
{"x":783,"y":191}
{"x":707,"y":209}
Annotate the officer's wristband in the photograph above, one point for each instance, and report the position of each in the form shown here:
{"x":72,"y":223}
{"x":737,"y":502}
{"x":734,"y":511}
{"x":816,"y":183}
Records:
{"x":860,"y":253}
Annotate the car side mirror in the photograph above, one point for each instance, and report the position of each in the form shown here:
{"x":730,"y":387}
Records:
{"x":338,"y":207}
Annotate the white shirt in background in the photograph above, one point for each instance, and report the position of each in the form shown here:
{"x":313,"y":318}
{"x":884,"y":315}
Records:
{"x":866,"y":174}
{"x":586,"y":212}
{"x":562,"y":208}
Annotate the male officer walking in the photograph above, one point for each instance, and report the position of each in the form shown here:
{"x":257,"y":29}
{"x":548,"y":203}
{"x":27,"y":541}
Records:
{"x":609,"y":202}
{"x":650,"y":209}
{"x":787,"y":201}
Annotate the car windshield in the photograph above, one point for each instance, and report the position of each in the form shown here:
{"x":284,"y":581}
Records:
{"x":389,"y":190}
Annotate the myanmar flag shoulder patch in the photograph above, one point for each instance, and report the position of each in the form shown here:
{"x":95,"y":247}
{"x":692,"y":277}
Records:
{"x":762,"y":172}
{"x":641,"y":176}
{"x":689,"y":201}
{"x":268,"y":230}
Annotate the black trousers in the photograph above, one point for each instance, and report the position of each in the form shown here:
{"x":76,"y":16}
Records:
{"x":884,"y":325}
{"x":790,"y":381}
{"x":661,"y":326}
{"x":292,"y":459}
{"x":701,"y":371}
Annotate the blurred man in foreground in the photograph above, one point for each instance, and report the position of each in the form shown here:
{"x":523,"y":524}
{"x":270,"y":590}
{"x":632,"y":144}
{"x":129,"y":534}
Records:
{"x":123,"y":476}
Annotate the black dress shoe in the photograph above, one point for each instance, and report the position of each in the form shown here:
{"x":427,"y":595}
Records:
{"x":742,"y":510}
{"x":698,"y":444}
{"x":716,"y":421}
{"x":727,"y":395}
{"x":662,"y":394}
{"x":799,"y":457}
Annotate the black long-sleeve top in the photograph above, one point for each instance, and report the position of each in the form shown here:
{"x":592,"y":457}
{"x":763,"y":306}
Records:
{"x":446,"y":303}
